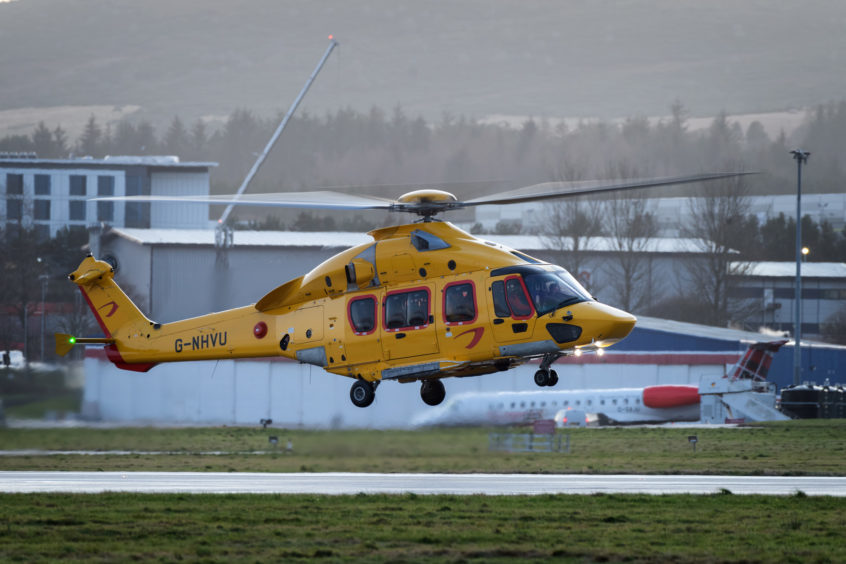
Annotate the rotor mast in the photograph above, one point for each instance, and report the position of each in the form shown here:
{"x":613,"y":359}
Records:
{"x":223,"y":235}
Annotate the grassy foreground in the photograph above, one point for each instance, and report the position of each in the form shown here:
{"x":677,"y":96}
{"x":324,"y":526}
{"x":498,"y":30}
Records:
{"x":227,"y":528}
{"x":814,"y":447}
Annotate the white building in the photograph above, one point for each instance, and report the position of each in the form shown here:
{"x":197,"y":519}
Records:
{"x":769,"y":290}
{"x":50,"y":194}
{"x":673,"y":213}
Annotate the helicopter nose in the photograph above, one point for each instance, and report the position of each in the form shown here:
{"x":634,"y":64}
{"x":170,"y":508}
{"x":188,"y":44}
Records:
{"x":620,"y":324}
{"x":602,"y":323}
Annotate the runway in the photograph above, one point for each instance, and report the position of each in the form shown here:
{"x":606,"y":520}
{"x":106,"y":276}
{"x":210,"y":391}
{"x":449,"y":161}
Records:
{"x":335,"y":483}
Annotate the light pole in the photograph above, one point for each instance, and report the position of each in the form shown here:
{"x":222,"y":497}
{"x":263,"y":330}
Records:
{"x":43,"y":279}
{"x":801,"y":157}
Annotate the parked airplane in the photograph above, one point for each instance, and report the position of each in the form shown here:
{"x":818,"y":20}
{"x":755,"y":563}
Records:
{"x":652,"y":404}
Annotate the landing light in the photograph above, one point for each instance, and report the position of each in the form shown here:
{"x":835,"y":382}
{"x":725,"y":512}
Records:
{"x":578,"y":352}
{"x":600,"y":352}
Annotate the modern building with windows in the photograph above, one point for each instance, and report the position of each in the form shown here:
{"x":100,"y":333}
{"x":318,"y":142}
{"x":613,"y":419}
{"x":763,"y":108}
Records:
{"x":50,"y":194}
{"x":768,"y":288}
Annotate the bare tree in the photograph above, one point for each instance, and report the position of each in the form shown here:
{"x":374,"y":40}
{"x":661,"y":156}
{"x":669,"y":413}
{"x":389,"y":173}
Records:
{"x":631,"y":229}
{"x":568,"y":227}
{"x":717,"y":224}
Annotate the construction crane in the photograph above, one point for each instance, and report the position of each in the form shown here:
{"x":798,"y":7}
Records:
{"x":223,"y":237}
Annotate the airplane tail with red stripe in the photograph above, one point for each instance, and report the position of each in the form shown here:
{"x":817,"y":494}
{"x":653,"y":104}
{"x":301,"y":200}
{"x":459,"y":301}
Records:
{"x":755,"y":363}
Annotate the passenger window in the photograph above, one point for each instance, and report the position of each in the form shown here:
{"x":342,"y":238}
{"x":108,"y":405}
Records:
{"x":406,"y":310}
{"x":362,"y":314}
{"x":518,"y":301}
{"x":499,"y":301}
{"x":459,"y":303}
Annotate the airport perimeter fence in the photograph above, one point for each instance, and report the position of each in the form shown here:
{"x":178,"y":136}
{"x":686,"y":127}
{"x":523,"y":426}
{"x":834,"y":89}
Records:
{"x":529,"y":442}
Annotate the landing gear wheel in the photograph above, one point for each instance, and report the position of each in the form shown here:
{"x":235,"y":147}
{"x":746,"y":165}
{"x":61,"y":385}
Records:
{"x":362,"y":393}
{"x":542,"y":378}
{"x":553,"y":378}
{"x":432,"y":392}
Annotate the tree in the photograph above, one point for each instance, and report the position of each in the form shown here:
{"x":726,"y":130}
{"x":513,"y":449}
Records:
{"x":717,"y":225}
{"x":20,"y":289}
{"x":631,"y":229}
{"x":568,"y":227}
{"x":176,"y":140}
{"x":42,"y":142}
{"x":90,"y":142}
{"x":198,"y":141}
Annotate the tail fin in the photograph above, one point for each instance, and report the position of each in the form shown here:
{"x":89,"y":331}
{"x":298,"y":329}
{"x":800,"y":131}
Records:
{"x":118,"y":317}
{"x":112,"y":308}
{"x":755,"y":364}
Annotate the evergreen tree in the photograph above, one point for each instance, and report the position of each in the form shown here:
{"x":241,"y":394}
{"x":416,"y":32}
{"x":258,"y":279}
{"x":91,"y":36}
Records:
{"x":90,"y":142}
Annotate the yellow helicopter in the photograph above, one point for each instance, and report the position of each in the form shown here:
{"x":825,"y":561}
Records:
{"x":422,"y":302}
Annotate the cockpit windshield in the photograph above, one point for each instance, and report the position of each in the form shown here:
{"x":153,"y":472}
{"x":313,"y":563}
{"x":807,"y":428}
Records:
{"x":553,"y":289}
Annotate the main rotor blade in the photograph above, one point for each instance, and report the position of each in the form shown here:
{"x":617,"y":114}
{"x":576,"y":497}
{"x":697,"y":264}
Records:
{"x":551,"y":190}
{"x":313,"y":200}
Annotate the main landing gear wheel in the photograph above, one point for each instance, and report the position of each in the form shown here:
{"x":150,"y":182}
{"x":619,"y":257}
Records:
{"x":545,"y":378}
{"x":432,"y":392}
{"x":362,"y":393}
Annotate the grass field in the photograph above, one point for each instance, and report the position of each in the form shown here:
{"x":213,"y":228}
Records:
{"x":789,"y":448}
{"x":409,"y":528}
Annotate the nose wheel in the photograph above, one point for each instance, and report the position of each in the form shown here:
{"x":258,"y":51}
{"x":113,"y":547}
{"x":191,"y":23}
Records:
{"x":432,"y":392}
{"x":362,"y":393}
{"x":545,"y":378}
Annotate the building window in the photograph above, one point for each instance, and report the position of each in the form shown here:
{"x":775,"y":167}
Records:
{"x":105,"y":187}
{"x":14,"y":209}
{"x":77,"y":210}
{"x":42,"y":185}
{"x":136,"y":214}
{"x":105,"y":211}
{"x":14,"y":184}
{"x":42,"y":209}
{"x":77,"y":185}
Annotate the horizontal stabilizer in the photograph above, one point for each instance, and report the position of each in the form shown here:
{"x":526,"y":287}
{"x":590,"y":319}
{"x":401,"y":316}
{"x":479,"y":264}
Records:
{"x":65,"y":342}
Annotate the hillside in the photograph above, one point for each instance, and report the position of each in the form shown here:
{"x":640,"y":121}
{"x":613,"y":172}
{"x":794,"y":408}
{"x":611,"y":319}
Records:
{"x":204,"y":58}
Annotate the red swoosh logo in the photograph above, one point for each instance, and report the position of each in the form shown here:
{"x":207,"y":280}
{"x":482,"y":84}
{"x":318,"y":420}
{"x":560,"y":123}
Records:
{"x":111,"y":311}
{"x":477,"y":336}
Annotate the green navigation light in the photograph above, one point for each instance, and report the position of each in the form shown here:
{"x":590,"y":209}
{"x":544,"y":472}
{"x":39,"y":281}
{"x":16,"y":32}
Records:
{"x":72,"y":340}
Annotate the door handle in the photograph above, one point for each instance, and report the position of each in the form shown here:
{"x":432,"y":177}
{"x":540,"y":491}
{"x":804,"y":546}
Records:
{"x":400,"y":335}
{"x":498,"y":321}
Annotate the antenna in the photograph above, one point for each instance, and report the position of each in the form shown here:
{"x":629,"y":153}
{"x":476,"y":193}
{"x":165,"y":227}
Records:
{"x":223,"y":233}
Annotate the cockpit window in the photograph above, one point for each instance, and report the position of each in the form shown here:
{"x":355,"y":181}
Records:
{"x":554,"y":289}
{"x":516,"y":296}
